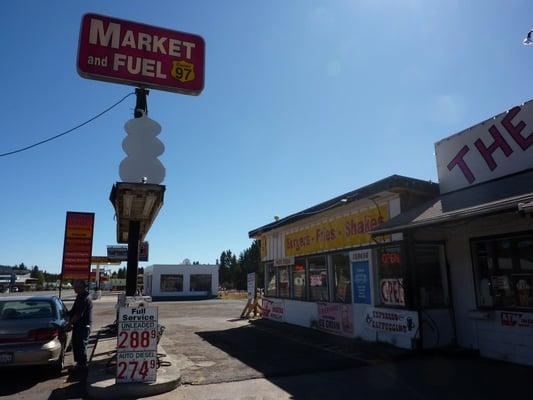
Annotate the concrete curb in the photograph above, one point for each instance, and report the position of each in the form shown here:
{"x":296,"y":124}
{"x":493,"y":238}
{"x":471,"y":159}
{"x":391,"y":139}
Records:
{"x":101,"y":382}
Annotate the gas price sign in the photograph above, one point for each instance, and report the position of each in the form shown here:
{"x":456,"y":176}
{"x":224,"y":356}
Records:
{"x":137,"y":344}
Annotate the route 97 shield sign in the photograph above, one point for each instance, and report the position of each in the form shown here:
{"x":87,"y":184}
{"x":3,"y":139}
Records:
{"x":137,"y":345}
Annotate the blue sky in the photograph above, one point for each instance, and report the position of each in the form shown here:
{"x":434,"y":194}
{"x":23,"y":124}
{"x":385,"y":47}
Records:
{"x":303,"y":100}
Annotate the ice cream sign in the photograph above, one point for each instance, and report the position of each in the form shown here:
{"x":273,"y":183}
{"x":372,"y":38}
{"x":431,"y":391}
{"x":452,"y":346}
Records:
{"x":120,"y":51}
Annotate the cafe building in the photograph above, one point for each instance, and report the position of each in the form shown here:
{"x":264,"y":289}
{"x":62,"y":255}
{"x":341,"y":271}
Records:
{"x":324,"y":270}
{"x":481,"y":295}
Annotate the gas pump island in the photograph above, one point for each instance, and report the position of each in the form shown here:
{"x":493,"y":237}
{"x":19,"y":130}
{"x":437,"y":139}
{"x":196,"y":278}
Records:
{"x":143,"y":56}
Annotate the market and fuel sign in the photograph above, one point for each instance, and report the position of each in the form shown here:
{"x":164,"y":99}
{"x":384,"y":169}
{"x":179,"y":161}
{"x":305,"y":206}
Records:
{"x":120,"y":51}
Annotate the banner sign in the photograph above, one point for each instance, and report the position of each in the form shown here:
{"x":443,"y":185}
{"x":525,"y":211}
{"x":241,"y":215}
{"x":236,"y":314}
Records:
{"x":273,"y":309}
{"x":115,"y":50}
{"x":335,"y":318}
{"x":137,"y":345}
{"x":497,"y":147}
{"x":400,"y":322}
{"x":120,"y":252}
{"x":78,"y":245}
{"x":251,"y":285}
{"x":361,"y":282}
{"x":346,"y":231}
{"x":518,"y":319}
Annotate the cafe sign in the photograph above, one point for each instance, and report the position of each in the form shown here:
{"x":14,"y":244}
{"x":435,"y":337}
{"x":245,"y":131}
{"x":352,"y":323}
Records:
{"x":120,"y":51}
{"x":346,"y":231}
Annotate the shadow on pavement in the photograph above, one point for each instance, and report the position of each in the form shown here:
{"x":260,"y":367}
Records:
{"x":18,"y":379}
{"x":272,"y":355}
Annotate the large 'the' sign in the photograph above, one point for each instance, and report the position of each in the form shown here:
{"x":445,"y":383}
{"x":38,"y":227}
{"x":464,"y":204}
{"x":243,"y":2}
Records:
{"x":120,"y":51}
{"x":497,"y":147}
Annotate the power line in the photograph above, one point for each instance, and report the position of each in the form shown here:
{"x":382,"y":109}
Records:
{"x":67,"y":131}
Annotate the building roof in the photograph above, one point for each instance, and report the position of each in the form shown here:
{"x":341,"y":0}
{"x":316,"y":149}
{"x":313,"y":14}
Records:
{"x":392,"y":183}
{"x":497,"y":196}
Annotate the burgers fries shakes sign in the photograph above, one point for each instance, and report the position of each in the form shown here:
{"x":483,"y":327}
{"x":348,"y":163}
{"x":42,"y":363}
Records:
{"x":120,"y":51}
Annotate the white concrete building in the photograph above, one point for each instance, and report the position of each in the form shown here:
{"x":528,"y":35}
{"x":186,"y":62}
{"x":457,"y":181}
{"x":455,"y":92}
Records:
{"x":184,"y":281}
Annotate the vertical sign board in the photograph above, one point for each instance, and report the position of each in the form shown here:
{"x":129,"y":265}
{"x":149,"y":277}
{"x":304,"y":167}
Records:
{"x":361,"y":277}
{"x":78,"y":245}
{"x":137,"y":344}
{"x":251,"y":285}
{"x":115,"y":50}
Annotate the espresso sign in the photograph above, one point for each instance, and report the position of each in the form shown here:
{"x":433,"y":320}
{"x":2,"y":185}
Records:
{"x":115,"y":50}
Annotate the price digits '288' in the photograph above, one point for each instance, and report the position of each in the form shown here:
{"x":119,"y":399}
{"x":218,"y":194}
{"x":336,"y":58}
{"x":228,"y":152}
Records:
{"x":135,"y":339}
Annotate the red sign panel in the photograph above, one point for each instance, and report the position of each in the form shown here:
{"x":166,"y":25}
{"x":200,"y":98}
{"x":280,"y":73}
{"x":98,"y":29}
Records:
{"x":77,"y":249}
{"x":120,"y":51}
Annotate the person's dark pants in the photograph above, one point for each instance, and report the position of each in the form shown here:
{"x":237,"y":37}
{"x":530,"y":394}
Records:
{"x":80,"y":338}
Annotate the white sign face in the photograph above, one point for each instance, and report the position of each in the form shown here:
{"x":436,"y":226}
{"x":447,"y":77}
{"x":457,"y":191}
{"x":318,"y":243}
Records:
{"x":497,"y":147}
{"x":137,"y":344}
{"x":251,"y":285}
{"x":401,"y":322}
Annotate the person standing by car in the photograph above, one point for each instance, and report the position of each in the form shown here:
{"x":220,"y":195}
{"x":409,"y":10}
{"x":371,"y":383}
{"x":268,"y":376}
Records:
{"x":81,"y":318}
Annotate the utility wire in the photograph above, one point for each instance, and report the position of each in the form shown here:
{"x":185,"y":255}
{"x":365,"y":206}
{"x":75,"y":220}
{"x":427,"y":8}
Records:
{"x":67,"y":131}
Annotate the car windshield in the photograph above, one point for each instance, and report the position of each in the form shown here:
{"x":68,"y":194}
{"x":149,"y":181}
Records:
{"x":25,"y":309}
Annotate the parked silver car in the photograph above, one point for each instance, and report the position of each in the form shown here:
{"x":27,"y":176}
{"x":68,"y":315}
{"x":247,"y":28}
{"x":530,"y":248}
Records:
{"x":32,"y":331}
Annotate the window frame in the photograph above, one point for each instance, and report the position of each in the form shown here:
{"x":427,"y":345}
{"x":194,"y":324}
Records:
{"x":405,"y":276}
{"x":514,"y":237}
{"x":328,"y":278}
{"x":306,"y":292}
{"x":333,"y":294}
{"x":209,"y":289}
{"x":171,"y":291}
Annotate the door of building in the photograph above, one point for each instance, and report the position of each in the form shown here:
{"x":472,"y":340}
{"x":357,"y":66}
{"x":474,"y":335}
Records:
{"x":432,"y":295}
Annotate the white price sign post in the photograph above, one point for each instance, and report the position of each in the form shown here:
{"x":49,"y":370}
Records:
{"x":137,"y":345}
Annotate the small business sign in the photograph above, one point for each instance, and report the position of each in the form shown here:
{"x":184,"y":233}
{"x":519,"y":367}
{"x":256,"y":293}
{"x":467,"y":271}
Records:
{"x":117,"y":282}
{"x":335,"y":318}
{"x":517,"y":319}
{"x":137,"y":344}
{"x":78,"y":245}
{"x":95,"y":260}
{"x":401,"y":322}
{"x":120,"y":252}
{"x":273,"y":309}
{"x":250,"y":286}
{"x":494,"y":148}
{"x":120,"y":51}
{"x":361,"y":277}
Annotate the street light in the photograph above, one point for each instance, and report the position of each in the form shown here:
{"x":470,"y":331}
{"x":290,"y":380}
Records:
{"x":527,"y":40}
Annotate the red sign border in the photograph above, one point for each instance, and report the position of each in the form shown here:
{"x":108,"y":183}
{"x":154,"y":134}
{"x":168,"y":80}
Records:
{"x":134,"y":83}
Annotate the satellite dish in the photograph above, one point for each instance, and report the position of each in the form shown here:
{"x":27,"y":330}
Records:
{"x":186,"y":261}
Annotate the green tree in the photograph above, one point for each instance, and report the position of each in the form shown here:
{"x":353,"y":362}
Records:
{"x":36,"y":274}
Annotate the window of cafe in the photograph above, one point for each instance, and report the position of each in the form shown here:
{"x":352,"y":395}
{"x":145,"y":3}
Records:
{"x":504,"y":271}
{"x":318,"y":278}
{"x":270,"y":279}
{"x":391,"y":277}
{"x":298,"y":279}
{"x":341,"y":271}
{"x":171,"y":283}
{"x":283,"y":274}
